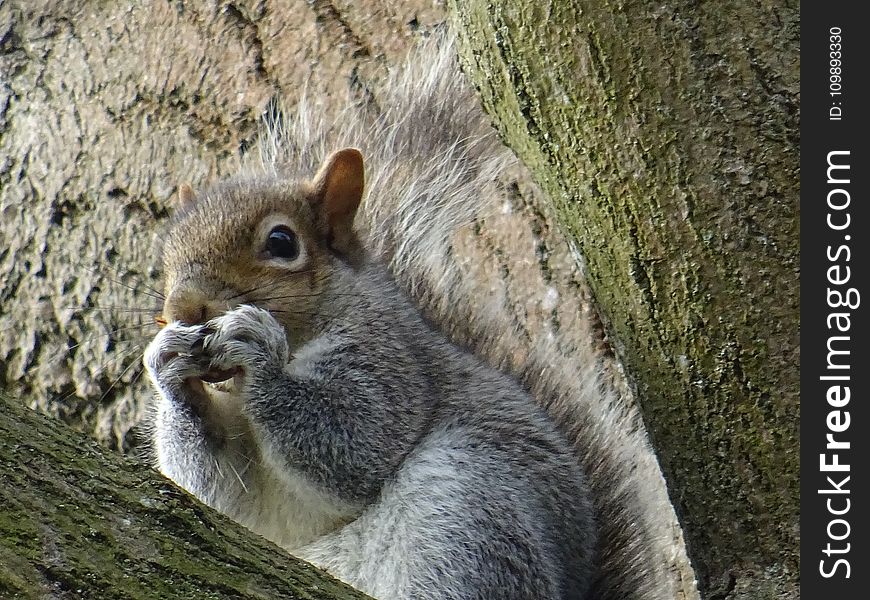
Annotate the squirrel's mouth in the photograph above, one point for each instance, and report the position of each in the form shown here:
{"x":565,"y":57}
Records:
{"x":222,"y":380}
{"x":220,"y":375}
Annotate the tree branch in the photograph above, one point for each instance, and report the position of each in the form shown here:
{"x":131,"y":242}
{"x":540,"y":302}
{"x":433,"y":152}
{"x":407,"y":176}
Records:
{"x":78,"y":521}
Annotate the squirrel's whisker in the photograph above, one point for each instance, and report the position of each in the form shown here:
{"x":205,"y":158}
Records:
{"x":105,"y":365}
{"x":239,"y":477}
{"x":293,"y":296}
{"x":277,"y":283}
{"x":109,"y":309}
{"x":119,"y":377}
{"x":217,"y":467}
{"x":108,"y":334}
{"x":64,"y":353}
{"x":153,"y":293}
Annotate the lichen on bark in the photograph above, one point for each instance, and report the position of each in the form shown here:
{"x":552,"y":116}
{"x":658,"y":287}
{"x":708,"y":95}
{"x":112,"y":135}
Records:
{"x":667,"y":138}
{"x":80,"y":522}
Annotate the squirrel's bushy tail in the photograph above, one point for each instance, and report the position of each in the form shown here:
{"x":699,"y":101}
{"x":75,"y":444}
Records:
{"x":435,"y":169}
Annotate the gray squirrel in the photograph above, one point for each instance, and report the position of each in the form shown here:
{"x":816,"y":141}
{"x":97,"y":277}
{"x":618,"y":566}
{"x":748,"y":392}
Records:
{"x":300,"y":391}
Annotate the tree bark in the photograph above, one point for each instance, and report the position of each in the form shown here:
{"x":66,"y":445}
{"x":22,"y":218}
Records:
{"x":80,"y":522}
{"x":667,"y":137}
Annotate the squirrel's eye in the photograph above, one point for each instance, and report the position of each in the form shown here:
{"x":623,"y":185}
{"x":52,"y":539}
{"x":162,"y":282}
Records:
{"x":282,"y":243}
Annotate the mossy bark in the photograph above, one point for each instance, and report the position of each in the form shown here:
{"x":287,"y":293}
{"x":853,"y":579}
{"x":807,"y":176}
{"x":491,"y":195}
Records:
{"x":667,"y":138}
{"x":79,"y":522}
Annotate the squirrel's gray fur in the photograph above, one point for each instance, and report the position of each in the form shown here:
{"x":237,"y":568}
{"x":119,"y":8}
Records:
{"x":418,"y":471}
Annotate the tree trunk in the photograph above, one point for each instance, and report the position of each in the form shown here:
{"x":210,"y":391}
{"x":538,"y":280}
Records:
{"x":667,"y":137}
{"x":79,"y":522}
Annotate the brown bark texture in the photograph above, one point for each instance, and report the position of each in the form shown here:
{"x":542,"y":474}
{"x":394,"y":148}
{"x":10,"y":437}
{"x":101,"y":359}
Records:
{"x":667,"y":138}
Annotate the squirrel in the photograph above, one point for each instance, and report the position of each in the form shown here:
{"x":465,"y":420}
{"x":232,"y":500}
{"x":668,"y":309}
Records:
{"x":355,"y":435}
{"x":302,"y":393}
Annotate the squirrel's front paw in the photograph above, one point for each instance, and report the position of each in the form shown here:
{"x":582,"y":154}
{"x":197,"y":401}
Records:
{"x":246,"y":339}
{"x":174,"y":355}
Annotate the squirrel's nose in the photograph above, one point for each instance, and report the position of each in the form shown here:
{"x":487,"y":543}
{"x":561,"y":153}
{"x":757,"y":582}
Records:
{"x":189,"y":306}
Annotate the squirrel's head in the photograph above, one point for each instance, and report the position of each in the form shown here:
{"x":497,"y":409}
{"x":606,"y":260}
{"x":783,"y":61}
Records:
{"x":273,"y":244}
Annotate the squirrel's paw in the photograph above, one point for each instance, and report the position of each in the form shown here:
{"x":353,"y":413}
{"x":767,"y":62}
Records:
{"x":246,"y":338}
{"x":174,"y":355}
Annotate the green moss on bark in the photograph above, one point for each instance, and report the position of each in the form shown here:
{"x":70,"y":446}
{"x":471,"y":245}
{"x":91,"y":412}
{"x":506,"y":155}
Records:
{"x":78,"y":522}
{"x":667,"y":138}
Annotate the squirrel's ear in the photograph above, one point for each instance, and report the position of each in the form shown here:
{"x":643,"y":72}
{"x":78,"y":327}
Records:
{"x":338,"y":189}
{"x":186,"y":196}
